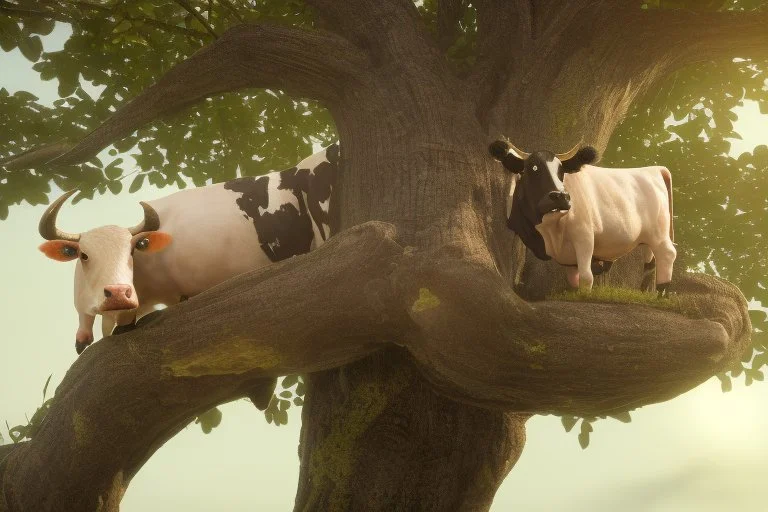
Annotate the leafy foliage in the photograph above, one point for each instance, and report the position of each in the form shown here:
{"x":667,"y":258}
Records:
{"x":245,"y":133}
{"x":687,"y":124}
{"x":586,"y":425}
{"x":28,"y":431}
{"x":292,"y":391}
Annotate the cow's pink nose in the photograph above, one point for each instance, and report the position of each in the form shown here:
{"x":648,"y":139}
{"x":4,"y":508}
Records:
{"x":118,"y":297}
{"x":118,"y":291}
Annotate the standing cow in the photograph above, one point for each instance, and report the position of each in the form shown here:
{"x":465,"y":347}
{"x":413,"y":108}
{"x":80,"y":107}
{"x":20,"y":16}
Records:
{"x":578,"y":214}
{"x":192,"y":240}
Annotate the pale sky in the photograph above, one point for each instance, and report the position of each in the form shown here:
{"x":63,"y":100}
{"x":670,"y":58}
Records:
{"x":704,"y":451}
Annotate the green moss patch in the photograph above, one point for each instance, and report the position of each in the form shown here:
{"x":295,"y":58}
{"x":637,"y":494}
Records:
{"x":427,"y":300}
{"x":612,"y":295}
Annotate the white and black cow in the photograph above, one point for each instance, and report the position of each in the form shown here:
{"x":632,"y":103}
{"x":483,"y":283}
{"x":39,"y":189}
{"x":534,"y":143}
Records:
{"x":578,"y":214}
{"x":192,"y":240}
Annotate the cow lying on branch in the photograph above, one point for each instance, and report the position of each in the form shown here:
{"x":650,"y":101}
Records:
{"x":192,"y":240}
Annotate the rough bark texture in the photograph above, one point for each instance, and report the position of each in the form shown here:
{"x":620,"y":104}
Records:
{"x":424,"y":359}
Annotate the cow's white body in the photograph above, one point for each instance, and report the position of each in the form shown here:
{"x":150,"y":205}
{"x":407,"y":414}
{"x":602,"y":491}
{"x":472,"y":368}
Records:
{"x":613,"y":211}
{"x":212,"y":241}
{"x":216,"y":232}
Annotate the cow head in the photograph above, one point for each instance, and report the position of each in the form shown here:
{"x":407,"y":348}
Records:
{"x":104,"y":269}
{"x":541,"y":175}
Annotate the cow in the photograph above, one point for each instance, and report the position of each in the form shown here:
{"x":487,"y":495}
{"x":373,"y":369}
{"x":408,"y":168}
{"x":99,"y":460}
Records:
{"x":586,"y":217}
{"x":192,"y":240}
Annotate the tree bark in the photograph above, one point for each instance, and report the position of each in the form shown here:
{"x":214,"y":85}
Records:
{"x":424,"y":363}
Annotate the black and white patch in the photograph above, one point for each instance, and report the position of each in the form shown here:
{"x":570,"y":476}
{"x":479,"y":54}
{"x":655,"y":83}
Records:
{"x":284,"y":229}
{"x":284,"y":205}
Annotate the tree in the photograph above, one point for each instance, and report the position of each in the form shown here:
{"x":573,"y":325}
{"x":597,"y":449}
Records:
{"x":415,"y":324}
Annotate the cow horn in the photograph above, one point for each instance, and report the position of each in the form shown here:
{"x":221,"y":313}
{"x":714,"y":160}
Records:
{"x":522,"y":154}
{"x":151,"y":220}
{"x":47,"y":226}
{"x":569,"y":154}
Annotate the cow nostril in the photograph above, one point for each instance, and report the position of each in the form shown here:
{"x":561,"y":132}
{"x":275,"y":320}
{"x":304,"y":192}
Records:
{"x":107,"y":293}
{"x":128,"y":293}
{"x":554,"y":195}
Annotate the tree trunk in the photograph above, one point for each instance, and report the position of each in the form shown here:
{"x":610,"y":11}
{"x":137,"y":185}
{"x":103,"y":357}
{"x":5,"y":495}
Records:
{"x":376,"y":436}
{"x":426,"y":363}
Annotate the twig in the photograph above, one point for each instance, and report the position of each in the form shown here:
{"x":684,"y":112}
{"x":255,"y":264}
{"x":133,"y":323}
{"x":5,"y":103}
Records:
{"x":191,"y":10}
{"x":232,"y":8}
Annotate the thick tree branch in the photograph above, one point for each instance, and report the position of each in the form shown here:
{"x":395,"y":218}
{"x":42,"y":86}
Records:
{"x":577,"y":358}
{"x":468,"y":332}
{"x":687,"y":36}
{"x":126,"y":395}
{"x":309,"y":63}
{"x":379,"y":26}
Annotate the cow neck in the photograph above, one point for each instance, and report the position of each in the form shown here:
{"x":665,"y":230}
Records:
{"x":552,"y":231}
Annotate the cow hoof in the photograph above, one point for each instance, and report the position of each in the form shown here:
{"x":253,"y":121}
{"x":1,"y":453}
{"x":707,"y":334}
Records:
{"x":80,"y":346}
{"x":662,"y":290}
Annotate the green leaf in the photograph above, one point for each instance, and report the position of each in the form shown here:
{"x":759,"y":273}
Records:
{"x":283,"y":417}
{"x":45,"y":388}
{"x":286,"y":394}
{"x":568,"y":422}
{"x":40,"y":26}
{"x":290,"y":380}
{"x":586,"y":428}
{"x":623,"y":417}
{"x":284,"y":405}
{"x":725,"y":382}
{"x":298,"y":401}
{"x":31,"y":47}
{"x":113,"y":170}
{"x":136,"y":184}
{"x":115,"y":186}
{"x":209,"y":420}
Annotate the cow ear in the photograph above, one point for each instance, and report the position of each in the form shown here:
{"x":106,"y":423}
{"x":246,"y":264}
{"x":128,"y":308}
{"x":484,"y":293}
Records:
{"x":500,"y":151}
{"x":60,"y":250}
{"x":152,"y":241}
{"x":584,"y":156}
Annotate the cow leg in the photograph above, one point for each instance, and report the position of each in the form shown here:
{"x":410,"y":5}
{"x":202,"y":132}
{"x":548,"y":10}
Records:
{"x":107,"y":325}
{"x":572,"y":271}
{"x":584,"y":251}
{"x":84,"y":336}
{"x":646,"y":284}
{"x":665,"y":254}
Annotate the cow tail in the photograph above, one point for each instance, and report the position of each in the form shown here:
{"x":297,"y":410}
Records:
{"x":667,"y":176}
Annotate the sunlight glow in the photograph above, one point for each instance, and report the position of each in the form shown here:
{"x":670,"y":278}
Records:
{"x":752,"y":126}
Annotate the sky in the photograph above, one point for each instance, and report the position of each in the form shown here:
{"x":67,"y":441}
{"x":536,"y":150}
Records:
{"x":704,"y":451}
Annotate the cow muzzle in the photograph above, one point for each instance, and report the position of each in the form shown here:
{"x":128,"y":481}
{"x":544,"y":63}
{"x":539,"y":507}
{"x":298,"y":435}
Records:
{"x":555,"y":201}
{"x":118,"y":297}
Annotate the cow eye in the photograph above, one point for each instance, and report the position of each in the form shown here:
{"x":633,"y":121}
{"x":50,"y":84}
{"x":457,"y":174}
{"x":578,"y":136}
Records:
{"x":142,"y":244}
{"x":68,"y":251}
{"x":83,"y":256}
